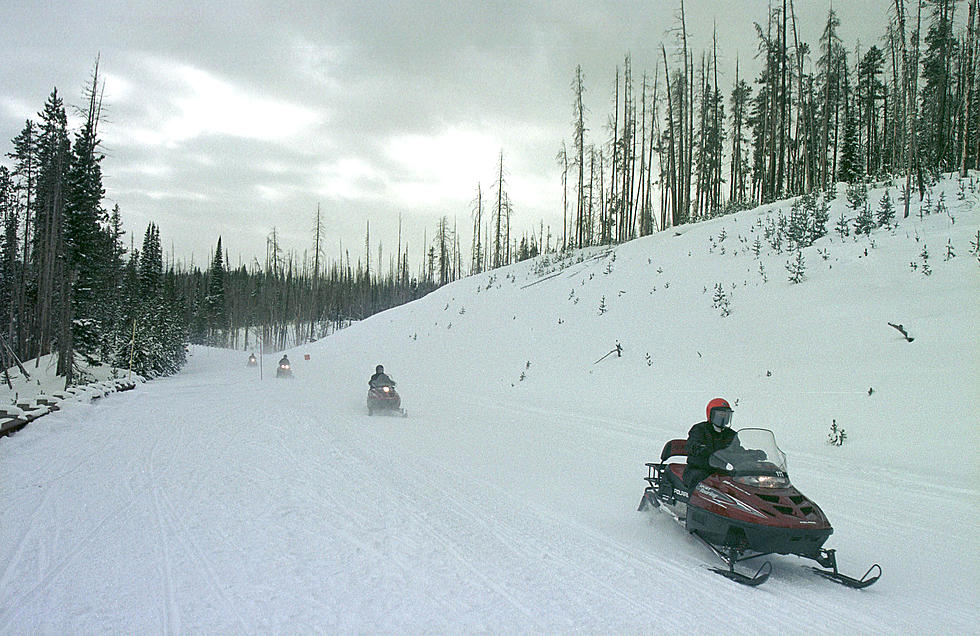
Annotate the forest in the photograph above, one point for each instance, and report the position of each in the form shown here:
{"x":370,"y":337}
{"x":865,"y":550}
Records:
{"x":904,"y":109}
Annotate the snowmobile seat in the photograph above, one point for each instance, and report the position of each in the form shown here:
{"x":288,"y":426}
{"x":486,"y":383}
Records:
{"x":673,"y":448}
{"x":675,"y":473}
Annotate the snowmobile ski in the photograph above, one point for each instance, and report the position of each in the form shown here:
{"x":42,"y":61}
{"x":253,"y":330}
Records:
{"x":760,"y":577}
{"x":855,"y":584}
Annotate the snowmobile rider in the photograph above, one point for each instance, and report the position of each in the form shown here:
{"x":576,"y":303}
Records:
{"x":284,"y":362}
{"x":380,"y":378}
{"x":252,"y":361}
{"x":705,"y":438}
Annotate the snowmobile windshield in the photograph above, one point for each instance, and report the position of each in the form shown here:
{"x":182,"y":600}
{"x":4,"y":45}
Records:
{"x":753,"y":451}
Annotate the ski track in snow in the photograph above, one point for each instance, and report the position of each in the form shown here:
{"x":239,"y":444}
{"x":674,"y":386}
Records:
{"x":444,"y":549}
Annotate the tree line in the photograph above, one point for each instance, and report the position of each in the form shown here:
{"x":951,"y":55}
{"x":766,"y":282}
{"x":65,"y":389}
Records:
{"x":905,"y":107}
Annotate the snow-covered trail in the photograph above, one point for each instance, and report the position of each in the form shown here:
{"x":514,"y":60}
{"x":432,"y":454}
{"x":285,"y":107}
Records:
{"x":212,"y":502}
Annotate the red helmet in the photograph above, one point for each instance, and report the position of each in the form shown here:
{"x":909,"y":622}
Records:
{"x":717,"y":403}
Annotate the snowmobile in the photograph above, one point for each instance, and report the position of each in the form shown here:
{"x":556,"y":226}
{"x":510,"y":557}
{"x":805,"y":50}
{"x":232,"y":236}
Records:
{"x":747,"y":509}
{"x":252,"y":361}
{"x":284,"y":370}
{"x":384,"y":399}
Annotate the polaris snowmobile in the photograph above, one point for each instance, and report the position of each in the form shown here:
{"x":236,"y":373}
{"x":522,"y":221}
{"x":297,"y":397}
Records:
{"x":284,"y":370}
{"x":747,"y":509}
{"x":384,"y":399}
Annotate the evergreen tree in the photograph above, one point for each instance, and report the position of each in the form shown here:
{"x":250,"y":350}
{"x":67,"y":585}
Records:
{"x":9,"y":267}
{"x":24,"y":173}
{"x":857,"y":195}
{"x":739,"y":102}
{"x":798,"y":228}
{"x":796,"y":268}
{"x":156,"y":344}
{"x":150,"y":264}
{"x":214,"y":303}
{"x":829,"y":70}
{"x":886,"y":210}
{"x":87,"y":262}
{"x":936,"y":123}
{"x":870,"y":91}
{"x":842,"y":227}
{"x":851,"y":167}
{"x":50,"y":283}
{"x":820,"y":215}
{"x":865,"y":221}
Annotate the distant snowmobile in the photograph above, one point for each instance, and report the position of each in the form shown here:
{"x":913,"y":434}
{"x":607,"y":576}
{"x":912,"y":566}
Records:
{"x":384,"y":399}
{"x":285,"y":369}
{"x":252,"y":361}
{"x":748,"y":509}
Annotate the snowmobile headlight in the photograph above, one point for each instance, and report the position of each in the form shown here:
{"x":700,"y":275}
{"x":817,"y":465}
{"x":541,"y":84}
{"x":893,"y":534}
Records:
{"x":385,"y":389}
{"x":763,"y":481}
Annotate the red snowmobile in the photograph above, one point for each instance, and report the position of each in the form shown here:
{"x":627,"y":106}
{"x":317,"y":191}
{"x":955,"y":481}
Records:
{"x":747,"y":509}
{"x":384,"y":399}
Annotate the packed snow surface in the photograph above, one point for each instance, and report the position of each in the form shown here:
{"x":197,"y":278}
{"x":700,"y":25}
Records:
{"x":219,"y":501}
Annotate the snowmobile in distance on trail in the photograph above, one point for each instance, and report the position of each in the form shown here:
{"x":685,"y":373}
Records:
{"x":747,"y":509}
{"x":382,"y":396}
{"x":384,"y":399}
{"x":284,"y":370}
{"x":252,"y":361}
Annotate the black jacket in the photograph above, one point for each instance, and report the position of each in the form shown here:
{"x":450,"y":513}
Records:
{"x":380,"y":379}
{"x":702,"y":440}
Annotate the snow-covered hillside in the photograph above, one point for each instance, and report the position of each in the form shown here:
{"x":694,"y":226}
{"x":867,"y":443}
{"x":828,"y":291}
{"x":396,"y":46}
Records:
{"x":217,"y":502}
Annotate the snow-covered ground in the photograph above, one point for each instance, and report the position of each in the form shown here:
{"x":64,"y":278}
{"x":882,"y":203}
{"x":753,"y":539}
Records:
{"x":219,"y":502}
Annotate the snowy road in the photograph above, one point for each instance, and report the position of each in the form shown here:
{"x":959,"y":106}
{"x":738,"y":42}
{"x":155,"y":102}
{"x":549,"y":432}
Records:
{"x":215,"y":503}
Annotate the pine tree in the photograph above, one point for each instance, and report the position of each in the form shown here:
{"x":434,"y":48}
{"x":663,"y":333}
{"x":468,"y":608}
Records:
{"x":851,"y":164}
{"x":820,"y":216}
{"x":937,"y":93}
{"x":870,"y":90}
{"x":842,"y":227}
{"x":150,"y":264}
{"x":739,"y":101}
{"x":53,"y":310}
{"x":214,"y":303}
{"x":865,"y":221}
{"x":87,"y":262}
{"x":721,"y":301}
{"x":798,"y":229}
{"x":829,"y":65}
{"x":796,"y":268}
{"x":886,"y":210}
{"x":155,"y":344}
{"x":9,"y":265}
{"x":857,"y":195}
{"x":24,"y":173}
{"x":924,"y":255}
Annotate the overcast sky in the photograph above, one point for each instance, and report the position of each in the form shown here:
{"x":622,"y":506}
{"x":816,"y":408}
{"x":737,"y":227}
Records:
{"x":233,"y":118}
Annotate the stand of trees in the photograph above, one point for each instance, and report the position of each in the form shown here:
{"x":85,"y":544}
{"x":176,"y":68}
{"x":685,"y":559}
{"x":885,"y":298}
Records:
{"x":903,"y":107}
{"x":288,"y":300}
{"x":66,"y":286}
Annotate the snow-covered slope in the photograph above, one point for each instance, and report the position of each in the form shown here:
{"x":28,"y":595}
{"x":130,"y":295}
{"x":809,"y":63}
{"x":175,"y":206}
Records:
{"x":217,"y":501}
